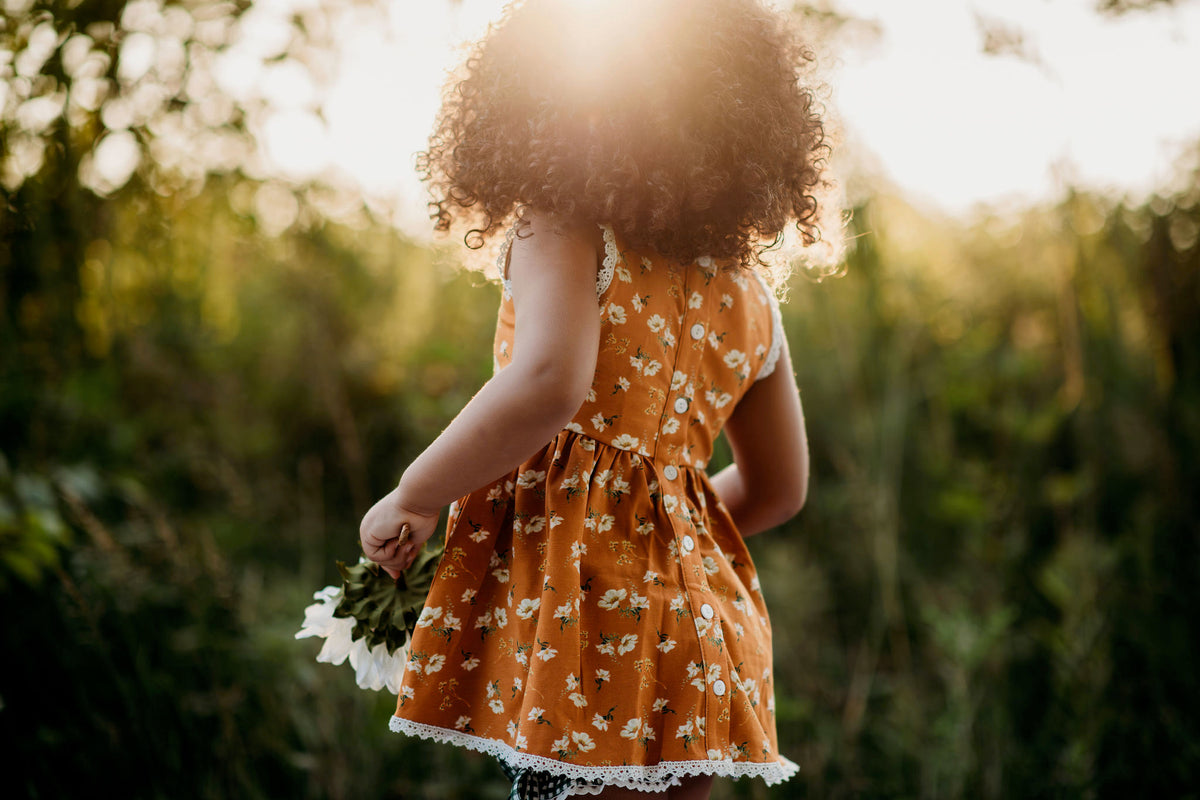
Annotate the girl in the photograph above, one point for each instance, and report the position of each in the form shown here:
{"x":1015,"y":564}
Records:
{"x":596,"y":622}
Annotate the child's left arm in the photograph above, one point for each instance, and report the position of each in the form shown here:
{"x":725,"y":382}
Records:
{"x":553,"y":276}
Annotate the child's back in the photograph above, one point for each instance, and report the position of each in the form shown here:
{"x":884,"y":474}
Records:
{"x":597,"y":606}
{"x":596,"y":616}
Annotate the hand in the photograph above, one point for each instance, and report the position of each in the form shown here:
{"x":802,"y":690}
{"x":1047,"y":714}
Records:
{"x":392,"y":535}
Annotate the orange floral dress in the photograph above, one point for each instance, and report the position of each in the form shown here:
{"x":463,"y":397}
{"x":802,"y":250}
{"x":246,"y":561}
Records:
{"x":596,"y":614}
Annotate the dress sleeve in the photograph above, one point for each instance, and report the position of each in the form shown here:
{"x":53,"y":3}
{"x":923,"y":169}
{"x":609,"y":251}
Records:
{"x":777,"y":333}
{"x":603,"y":277}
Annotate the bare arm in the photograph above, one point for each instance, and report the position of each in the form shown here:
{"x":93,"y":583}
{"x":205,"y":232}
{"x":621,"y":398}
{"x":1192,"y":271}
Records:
{"x":521,"y":408}
{"x":768,"y":482}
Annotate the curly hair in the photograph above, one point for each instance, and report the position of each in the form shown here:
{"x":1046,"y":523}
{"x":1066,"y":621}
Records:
{"x":684,"y":124}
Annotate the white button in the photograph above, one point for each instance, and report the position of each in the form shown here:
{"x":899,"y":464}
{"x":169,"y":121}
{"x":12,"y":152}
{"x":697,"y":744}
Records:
{"x":681,"y":405}
{"x":697,"y":331}
{"x":670,"y":473}
{"x":706,"y":611}
{"x":719,"y":687}
{"x":689,"y":544}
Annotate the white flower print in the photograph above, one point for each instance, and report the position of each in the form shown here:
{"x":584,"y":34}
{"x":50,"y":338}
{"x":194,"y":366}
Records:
{"x":651,"y":368}
{"x":628,"y":642}
{"x":479,"y":535}
{"x":710,"y":565}
{"x":632,"y":728}
{"x":582,"y":741}
{"x":601,"y":676}
{"x":678,"y":380}
{"x":670,"y":426}
{"x":612,"y":598}
{"x":428,"y":616}
{"x":601,"y":477}
{"x":616,"y":314}
{"x":599,"y":522}
{"x":591,"y":396}
{"x":435,"y":663}
{"x":496,"y":705}
{"x":501,"y":617}
{"x":599,"y":423}
{"x":734,"y":359}
{"x":469,"y":664}
{"x":599,"y":722}
{"x":623,"y":384}
{"x":625,"y":442}
{"x":717,"y":399}
{"x":531,"y":478}
{"x":528,"y":607}
{"x":556,"y":519}
{"x":638,"y":602}
{"x":650,"y":577}
{"x":659,"y":704}
{"x":646,"y":528}
{"x":546,"y":653}
{"x":501,"y":574}
{"x":462,"y":723}
{"x":574,"y":427}
{"x":666,"y":645}
{"x":535,"y":713}
{"x":623,"y":274}
{"x":656,"y":323}
{"x":639,"y":302}
{"x":726,"y":301}
{"x":578,"y":699}
{"x":696,"y":300}
{"x":468,"y":596}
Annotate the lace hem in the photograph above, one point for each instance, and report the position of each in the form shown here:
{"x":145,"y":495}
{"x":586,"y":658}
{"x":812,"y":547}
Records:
{"x":777,"y":332}
{"x":611,"y":256}
{"x":651,"y":778}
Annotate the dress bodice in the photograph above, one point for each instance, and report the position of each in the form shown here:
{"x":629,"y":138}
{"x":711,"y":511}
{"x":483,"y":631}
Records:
{"x":679,"y":346}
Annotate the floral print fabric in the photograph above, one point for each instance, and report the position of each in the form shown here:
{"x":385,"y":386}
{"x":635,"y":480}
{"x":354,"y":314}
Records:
{"x":596,"y":613}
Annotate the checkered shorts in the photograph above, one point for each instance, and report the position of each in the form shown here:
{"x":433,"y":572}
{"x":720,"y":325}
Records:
{"x":531,"y":784}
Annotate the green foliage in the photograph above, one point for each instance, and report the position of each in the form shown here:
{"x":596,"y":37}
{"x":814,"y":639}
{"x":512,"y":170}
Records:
{"x":991,"y":593}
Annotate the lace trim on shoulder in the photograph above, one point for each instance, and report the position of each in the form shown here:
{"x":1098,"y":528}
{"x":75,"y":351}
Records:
{"x":611,"y":256}
{"x":651,"y":778}
{"x":604,"y":276}
{"x":777,"y":332}
{"x":502,"y":260}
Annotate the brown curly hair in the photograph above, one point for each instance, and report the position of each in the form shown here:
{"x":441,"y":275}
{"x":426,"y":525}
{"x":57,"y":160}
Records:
{"x":684,"y":124}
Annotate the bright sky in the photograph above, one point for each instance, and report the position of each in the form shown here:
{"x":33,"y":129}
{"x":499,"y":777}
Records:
{"x":952,"y":127}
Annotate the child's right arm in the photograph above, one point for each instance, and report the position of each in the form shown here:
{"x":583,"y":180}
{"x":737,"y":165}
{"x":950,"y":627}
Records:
{"x":768,"y":482}
{"x":553,"y":276}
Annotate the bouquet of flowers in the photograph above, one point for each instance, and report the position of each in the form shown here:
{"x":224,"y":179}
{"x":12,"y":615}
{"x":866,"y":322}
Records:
{"x":370,"y":618}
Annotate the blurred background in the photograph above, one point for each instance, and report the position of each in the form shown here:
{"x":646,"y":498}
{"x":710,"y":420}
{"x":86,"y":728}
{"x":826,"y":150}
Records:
{"x":225,"y":330}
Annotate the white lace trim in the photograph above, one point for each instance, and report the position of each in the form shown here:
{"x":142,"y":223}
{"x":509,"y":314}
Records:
{"x":502,"y":259}
{"x":603,"y":277}
{"x":650,"y":778}
{"x":609,"y":267}
{"x":777,"y":332}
